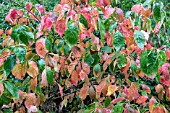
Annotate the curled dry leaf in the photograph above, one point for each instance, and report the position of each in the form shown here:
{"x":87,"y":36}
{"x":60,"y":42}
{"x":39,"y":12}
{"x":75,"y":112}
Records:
{"x":40,"y":47}
{"x":19,"y":71}
{"x":32,"y":70}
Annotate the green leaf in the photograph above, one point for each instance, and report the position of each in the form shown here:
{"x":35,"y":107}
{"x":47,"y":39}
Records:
{"x":119,"y":41}
{"x":83,"y":20}
{"x":112,"y":27}
{"x":9,"y":64}
{"x":96,"y":59}
{"x":71,"y":35}
{"x":50,"y":76}
{"x":66,"y":49}
{"x":8,"y":110}
{"x":161,"y":57}
{"x":149,"y":62}
{"x":157,"y":12}
{"x":106,"y":49}
{"x":121,"y":61}
{"x":101,"y":29}
{"x":12,"y":89}
{"x":97,"y":68}
{"x":41,"y":64}
{"x":20,"y":53}
{"x":89,"y":59}
{"x":48,"y":43}
{"x":133,"y":67}
{"x":139,"y":39}
{"x":118,"y":108}
{"x":107,"y":102}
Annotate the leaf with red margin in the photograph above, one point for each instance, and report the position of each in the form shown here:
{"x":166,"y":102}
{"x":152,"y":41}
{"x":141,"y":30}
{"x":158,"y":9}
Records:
{"x":74,"y":78}
{"x":22,"y":96}
{"x":165,"y":81}
{"x":33,"y":69}
{"x":141,"y":99}
{"x":60,"y":27}
{"x":158,"y":109}
{"x":61,"y":90}
{"x":167,"y":54}
{"x":1,"y":89}
{"x":40,"y":48}
{"x":19,"y":71}
{"x":168,"y":92}
{"x":84,"y":92}
{"x":13,"y":14}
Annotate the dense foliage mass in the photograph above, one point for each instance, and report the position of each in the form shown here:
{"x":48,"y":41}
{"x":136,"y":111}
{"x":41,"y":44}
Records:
{"x":93,"y":56}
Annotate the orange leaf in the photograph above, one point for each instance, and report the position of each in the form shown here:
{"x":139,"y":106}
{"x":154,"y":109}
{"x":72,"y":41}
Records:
{"x":167,"y":54}
{"x":19,"y":71}
{"x":33,"y":69}
{"x":151,"y":104}
{"x":159,"y":88}
{"x":111,"y":89}
{"x":74,"y":78}
{"x":1,"y":88}
{"x":1,"y":31}
{"x":40,"y":47}
{"x":84,"y":92}
{"x":133,"y":91}
{"x":119,"y":14}
{"x":33,"y":83}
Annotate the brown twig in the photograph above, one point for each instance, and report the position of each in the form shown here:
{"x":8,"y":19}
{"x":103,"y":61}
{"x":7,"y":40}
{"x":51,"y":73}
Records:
{"x":27,"y":10}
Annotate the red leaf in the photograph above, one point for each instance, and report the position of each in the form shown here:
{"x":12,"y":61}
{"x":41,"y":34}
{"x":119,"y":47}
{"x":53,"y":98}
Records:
{"x":133,"y":91}
{"x":33,"y":69}
{"x":12,"y":14}
{"x":1,"y":89}
{"x":157,"y":28}
{"x":165,"y":81}
{"x":158,"y":109}
{"x":60,"y":27}
{"x":84,"y":92}
{"x":28,"y":6}
{"x":167,"y":54}
{"x":141,"y":99}
{"x":74,"y":78}
{"x":40,"y":47}
{"x":19,"y":71}
{"x":116,"y":100}
{"x":151,"y":104}
{"x":164,"y":69}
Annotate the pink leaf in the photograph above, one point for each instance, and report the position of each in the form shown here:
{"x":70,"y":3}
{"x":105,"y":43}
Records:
{"x":157,"y":28}
{"x":61,"y":90}
{"x":40,"y":47}
{"x":60,"y":27}
{"x":44,"y":79}
{"x":137,"y":8}
{"x":28,"y":6}
{"x":108,"y":12}
{"x":74,"y":78}
{"x":30,"y":100}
